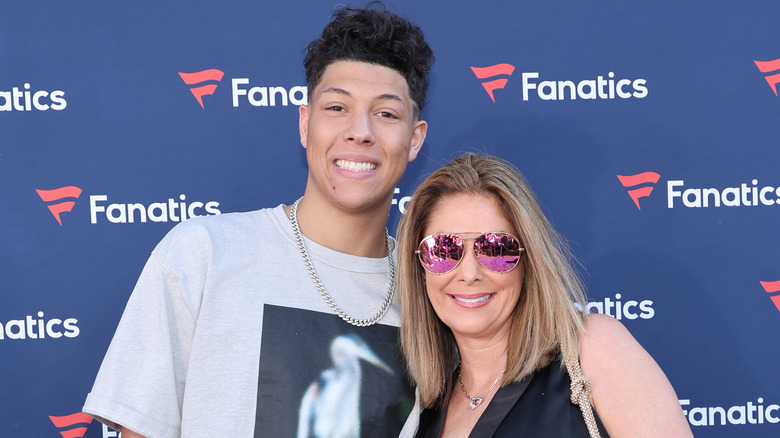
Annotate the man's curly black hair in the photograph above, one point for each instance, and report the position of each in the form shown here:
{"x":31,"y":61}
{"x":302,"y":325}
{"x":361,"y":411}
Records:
{"x":376,"y":36}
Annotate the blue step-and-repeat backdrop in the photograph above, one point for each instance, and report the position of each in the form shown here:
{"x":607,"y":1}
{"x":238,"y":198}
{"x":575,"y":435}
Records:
{"x":649,"y":131}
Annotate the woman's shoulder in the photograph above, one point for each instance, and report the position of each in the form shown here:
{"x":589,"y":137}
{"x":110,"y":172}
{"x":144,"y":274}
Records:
{"x":609,"y":352}
{"x":604,"y":335}
{"x":608,"y":349}
{"x":630,"y":393}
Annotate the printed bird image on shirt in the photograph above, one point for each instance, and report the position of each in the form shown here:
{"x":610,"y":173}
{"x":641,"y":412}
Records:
{"x":321,"y":377}
{"x":330,"y":407}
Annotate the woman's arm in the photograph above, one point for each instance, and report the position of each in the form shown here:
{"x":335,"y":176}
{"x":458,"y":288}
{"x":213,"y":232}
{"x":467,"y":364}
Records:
{"x":630,"y":393}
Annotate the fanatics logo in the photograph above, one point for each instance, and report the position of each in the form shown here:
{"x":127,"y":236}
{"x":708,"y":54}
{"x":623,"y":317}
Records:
{"x":646,"y":180}
{"x":57,"y":195}
{"x":72,"y":426}
{"x":198,"y":78}
{"x":767,"y":67}
{"x":773,"y":288}
{"x":205,"y":82}
{"x":490,"y":73}
{"x":168,"y":210}
{"x":534,"y":85}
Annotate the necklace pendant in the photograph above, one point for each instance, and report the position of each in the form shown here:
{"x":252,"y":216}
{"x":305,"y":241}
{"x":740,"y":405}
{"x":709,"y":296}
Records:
{"x":475,"y":401}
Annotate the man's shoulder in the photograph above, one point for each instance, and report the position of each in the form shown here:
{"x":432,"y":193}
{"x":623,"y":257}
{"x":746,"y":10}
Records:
{"x":227,"y":229}
{"x":224,"y":223}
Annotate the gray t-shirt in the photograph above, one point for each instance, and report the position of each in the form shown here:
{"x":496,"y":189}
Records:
{"x":217,"y":292}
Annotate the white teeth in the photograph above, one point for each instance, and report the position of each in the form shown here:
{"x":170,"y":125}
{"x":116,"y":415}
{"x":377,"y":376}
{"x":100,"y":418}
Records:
{"x":355,"y":167}
{"x":473,"y":300}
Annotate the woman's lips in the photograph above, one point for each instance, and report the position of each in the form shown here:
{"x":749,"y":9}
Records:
{"x":471,"y":300}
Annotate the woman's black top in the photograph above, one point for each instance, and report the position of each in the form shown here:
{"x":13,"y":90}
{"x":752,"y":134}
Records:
{"x":537,"y":406}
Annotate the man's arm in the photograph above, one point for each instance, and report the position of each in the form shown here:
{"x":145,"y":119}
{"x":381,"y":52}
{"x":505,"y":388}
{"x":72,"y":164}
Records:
{"x":127,"y":433}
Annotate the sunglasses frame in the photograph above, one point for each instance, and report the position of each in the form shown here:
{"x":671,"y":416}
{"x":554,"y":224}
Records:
{"x":478,"y":234}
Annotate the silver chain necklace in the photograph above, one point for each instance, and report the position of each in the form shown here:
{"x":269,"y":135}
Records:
{"x":321,"y":288}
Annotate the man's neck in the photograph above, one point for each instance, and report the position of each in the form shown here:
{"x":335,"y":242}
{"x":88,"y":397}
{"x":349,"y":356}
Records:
{"x":361,"y":234}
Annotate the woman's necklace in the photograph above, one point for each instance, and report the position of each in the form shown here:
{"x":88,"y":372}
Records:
{"x":476,"y":401}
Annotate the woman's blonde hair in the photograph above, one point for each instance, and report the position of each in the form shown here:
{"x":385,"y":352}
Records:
{"x":545,"y":321}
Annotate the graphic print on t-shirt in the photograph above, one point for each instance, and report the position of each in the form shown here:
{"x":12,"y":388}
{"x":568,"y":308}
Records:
{"x":321,"y":377}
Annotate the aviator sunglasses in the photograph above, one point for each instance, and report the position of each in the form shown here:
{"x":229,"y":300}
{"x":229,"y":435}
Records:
{"x":440,"y":253}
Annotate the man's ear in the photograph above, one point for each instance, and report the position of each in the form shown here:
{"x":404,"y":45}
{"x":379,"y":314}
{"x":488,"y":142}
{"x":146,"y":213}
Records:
{"x":303,"y":124}
{"x":418,"y":138}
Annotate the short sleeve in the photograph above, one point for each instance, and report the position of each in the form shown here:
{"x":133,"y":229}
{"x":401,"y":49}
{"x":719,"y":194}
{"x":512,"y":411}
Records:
{"x":140,"y":384}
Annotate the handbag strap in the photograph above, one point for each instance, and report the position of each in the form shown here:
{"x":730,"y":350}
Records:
{"x":580,"y":395}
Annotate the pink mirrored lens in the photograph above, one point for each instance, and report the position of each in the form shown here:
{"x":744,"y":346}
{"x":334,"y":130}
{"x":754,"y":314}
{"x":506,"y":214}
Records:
{"x":440,"y":253}
{"x":497,"y":251}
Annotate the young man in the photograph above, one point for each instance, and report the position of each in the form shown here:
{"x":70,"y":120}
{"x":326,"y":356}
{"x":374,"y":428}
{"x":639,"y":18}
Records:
{"x":232,"y":329}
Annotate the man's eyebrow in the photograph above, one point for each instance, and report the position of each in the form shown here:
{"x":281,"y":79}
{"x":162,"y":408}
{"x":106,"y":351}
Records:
{"x":389,"y":96}
{"x":337,"y":90}
{"x":386,"y":96}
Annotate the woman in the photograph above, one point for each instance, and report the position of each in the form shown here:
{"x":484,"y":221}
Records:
{"x":490,"y":324}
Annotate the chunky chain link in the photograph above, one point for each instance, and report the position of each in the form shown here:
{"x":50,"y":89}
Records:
{"x":321,"y":288}
{"x":580,"y":395}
